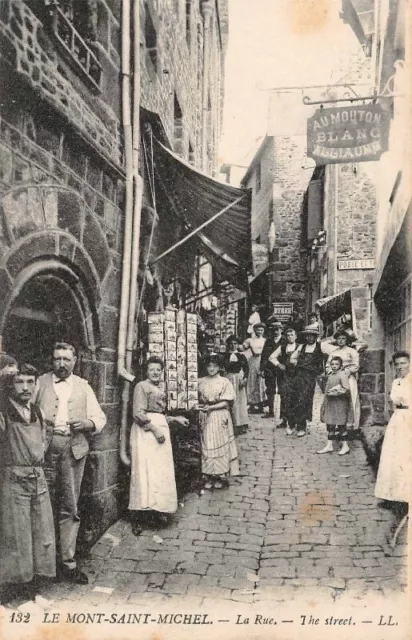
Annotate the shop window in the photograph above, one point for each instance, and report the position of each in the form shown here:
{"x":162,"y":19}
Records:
{"x":178,"y":127}
{"x":150,"y":36}
{"x":258,"y":177}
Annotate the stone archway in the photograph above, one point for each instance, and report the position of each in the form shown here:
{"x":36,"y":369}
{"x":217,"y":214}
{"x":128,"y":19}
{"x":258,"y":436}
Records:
{"x":49,"y":306}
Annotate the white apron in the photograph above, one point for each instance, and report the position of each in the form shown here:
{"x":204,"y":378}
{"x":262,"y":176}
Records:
{"x":152,"y":483}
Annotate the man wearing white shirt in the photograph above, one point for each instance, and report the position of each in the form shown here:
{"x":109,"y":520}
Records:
{"x":70,"y":404}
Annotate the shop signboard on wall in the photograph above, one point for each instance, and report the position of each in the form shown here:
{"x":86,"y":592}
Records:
{"x":348,"y":134}
{"x":282,"y":311}
{"x":344,"y":265}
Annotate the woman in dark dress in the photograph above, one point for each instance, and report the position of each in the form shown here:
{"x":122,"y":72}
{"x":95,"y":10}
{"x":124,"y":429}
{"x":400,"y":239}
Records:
{"x":237,"y":370}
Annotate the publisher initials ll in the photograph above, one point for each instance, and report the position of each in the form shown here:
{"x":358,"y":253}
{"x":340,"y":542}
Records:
{"x":387,"y":620}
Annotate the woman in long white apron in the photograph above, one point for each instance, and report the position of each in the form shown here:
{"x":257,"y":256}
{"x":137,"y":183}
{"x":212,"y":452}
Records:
{"x":152,"y":482}
{"x":394,"y":480}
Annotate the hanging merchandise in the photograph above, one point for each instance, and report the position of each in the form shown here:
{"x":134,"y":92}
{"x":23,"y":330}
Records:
{"x":173,"y":337}
{"x":192,"y":373}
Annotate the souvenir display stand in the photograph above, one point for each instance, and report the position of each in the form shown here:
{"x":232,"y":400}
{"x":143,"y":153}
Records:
{"x":172,"y":336}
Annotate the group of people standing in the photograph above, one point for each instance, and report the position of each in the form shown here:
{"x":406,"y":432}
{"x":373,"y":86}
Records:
{"x":46,"y":424}
{"x":290,"y":361}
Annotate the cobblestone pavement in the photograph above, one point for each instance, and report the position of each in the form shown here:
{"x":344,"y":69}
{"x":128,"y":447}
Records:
{"x":294,"y":520}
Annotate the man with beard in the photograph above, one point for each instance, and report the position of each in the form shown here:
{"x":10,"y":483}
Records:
{"x":267,"y":369}
{"x":70,"y":404}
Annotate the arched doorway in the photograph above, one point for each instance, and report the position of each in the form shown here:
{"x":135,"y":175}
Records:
{"x":46,"y":310}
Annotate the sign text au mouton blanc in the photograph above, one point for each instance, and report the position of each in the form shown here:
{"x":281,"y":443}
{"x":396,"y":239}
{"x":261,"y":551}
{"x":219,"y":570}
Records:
{"x":348,"y":134}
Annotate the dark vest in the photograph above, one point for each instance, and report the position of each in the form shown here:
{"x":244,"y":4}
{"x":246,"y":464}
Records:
{"x":311,"y":362}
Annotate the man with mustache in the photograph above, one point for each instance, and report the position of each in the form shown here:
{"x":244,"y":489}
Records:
{"x":71,"y":405}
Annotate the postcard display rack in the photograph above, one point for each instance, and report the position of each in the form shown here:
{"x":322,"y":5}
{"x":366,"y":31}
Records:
{"x":173,"y":337}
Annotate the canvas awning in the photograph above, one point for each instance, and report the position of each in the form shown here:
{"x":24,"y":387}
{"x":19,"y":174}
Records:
{"x":334,"y":307}
{"x":197,"y":199}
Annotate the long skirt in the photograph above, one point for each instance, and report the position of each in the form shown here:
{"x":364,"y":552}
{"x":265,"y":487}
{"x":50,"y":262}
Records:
{"x":152,"y":483}
{"x":255,"y":383}
{"x":239,"y":407}
{"x":219,"y":451}
{"x":394,"y":480}
{"x":27,"y":539}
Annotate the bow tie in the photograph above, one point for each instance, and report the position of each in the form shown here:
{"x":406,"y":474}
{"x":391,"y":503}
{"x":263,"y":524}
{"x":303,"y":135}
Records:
{"x":60,"y":380}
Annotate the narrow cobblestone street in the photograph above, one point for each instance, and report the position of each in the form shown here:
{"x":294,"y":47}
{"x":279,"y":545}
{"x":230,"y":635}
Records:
{"x":293,"y":521}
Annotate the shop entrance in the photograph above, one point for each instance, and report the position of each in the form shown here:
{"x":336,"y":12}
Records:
{"x":45,"y":311}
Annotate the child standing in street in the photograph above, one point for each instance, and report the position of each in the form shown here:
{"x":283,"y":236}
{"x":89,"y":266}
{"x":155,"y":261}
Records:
{"x":336,"y":408}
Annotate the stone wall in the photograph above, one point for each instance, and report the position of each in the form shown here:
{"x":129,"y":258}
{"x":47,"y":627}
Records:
{"x":351,"y":194}
{"x":290,"y":184}
{"x":262,"y":196}
{"x":62,"y":186}
{"x":180,"y":72}
{"x":350,"y":190}
{"x":27,"y":48}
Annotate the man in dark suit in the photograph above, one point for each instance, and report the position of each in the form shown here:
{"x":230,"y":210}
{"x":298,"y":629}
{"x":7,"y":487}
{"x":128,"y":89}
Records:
{"x":267,"y":369}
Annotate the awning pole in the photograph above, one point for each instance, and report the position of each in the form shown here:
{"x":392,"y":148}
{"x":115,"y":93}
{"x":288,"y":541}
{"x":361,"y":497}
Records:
{"x":195,"y":231}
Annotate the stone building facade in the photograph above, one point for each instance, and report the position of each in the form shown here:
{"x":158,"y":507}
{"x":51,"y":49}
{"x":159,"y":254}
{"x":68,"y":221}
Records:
{"x":390,"y":59}
{"x":62,"y":182}
{"x":342,"y":202}
{"x":278,"y":188}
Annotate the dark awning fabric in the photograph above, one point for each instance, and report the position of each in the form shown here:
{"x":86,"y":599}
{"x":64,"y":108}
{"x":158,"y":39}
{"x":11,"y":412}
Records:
{"x":332,"y":308}
{"x":196,"y":198}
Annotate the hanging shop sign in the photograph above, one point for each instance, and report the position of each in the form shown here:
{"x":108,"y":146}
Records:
{"x":347,"y":134}
{"x":282,"y":311}
{"x":356,"y":264}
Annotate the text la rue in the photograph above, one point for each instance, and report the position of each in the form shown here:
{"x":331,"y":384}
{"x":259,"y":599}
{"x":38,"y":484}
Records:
{"x":258,"y":619}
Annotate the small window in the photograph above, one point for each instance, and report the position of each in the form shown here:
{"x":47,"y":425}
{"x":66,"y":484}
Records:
{"x":258,"y":174}
{"x":75,"y":30}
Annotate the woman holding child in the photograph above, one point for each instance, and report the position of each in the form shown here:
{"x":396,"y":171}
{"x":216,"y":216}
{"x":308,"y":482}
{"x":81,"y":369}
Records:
{"x":152,"y":482}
